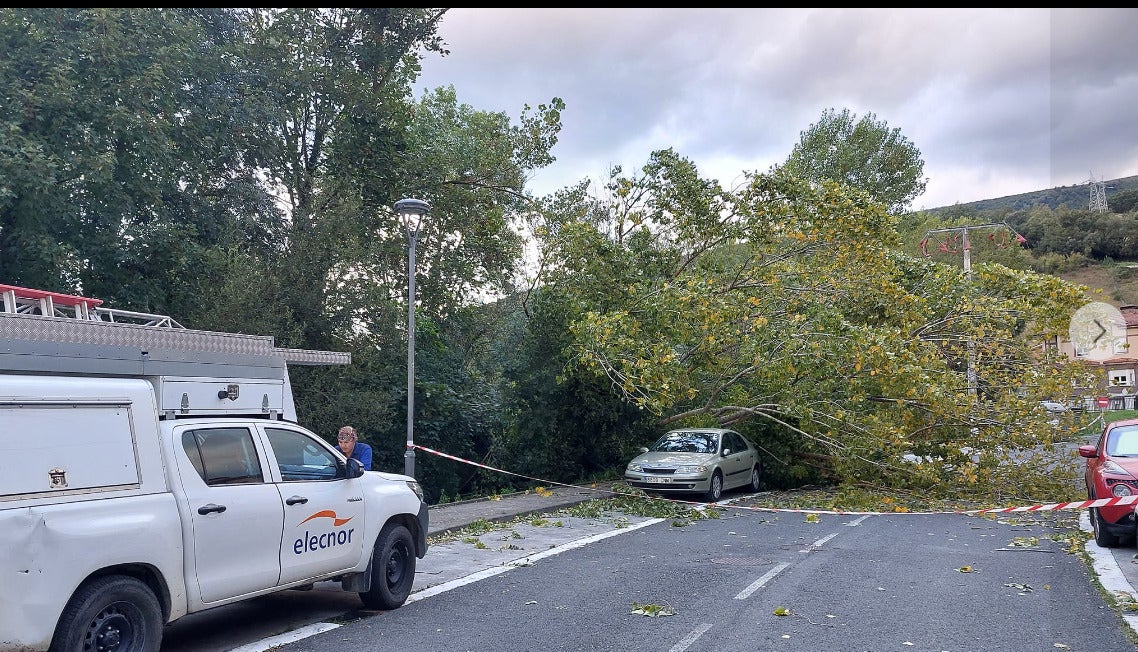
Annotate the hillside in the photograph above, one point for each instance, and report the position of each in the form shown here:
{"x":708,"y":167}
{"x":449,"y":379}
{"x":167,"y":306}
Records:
{"x":1118,"y":280}
{"x":1077,"y":196}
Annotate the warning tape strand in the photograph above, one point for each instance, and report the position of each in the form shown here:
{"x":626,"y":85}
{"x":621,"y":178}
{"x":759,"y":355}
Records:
{"x":1042,"y":507}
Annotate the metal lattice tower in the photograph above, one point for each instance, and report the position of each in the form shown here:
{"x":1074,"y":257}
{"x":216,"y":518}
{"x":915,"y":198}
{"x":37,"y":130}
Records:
{"x":1098,"y":195}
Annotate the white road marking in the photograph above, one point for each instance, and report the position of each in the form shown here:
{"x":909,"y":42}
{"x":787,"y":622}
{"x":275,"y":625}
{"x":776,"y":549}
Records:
{"x":687,"y":641}
{"x":758,"y":584}
{"x":857,"y":522}
{"x":818,"y":544}
{"x":288,"y":637}
{"x":524,"y":561}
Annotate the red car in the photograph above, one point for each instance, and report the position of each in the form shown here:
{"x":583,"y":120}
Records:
{"x":1112,"y":470}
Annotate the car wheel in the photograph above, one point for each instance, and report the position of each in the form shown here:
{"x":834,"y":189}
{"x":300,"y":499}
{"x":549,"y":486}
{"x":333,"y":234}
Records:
{"x":392,"y":569}
{"x":110,"y":613}
{"x":756,"y":477}
{"x":1102,"y":537}
{"x":715,"y":489}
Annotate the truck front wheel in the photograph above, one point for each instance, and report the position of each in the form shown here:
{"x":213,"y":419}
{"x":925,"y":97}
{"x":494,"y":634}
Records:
{"x":111,"y":614}
{"x":392,"y":569}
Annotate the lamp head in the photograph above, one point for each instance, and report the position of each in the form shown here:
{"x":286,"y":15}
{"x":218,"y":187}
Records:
{"x":411,"y":211}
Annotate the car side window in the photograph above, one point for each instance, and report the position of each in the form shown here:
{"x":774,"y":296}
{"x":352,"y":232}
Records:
{"x":223,"y":456}
{"x":300,"y":457}
{"x":735,"y":443}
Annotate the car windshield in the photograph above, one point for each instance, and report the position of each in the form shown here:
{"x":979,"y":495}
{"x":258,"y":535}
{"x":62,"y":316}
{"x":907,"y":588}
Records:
{"x":1122,"y":442}
{"x":686,"y":442}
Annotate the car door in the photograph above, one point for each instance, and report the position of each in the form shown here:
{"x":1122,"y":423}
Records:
{"x":236,"y":518}
{"x":324,"y":516}
{"x":737,"y":464}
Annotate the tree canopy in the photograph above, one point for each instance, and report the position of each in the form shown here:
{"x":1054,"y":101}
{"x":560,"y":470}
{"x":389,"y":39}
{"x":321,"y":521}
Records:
{"x":788,"y":302}
{"x":860,"y":153}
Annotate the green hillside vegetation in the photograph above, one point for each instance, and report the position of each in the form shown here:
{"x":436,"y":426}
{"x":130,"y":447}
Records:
{"x":1063,"y":237}
{"x":1121,"y":196}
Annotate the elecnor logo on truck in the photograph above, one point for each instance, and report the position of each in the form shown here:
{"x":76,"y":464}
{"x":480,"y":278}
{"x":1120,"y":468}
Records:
{"x":330,"y":539}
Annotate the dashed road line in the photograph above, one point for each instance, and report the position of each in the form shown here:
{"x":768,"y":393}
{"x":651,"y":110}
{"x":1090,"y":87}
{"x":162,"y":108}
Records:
{"x":758,"y":584}
{"x":692,"y":637}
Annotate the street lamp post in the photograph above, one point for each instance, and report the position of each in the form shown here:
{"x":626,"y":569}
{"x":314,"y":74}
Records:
{"x":411,"y":212}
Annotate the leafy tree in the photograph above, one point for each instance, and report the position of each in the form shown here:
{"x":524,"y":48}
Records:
{"x":560,"y":422}
{"x":1068,"y":231}
{"x":1125,"y":201}
{"x":864,"y":154}
{"x":788,"y":302}
{"x":121,"y":154}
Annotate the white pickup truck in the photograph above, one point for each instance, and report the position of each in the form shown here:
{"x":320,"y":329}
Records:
{"x":140,"y":484}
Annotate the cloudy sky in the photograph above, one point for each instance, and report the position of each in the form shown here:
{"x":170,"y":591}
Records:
{"x":998,"y":101}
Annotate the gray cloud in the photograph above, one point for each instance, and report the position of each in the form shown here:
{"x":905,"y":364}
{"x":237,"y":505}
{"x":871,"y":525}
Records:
{"x":999,"y":101}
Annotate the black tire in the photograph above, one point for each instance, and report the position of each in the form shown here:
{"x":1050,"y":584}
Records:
{"x":756,"y":478}
{"x":715,"y":489}
{"x":392,"y":569}
{"x":111,"y":614}
{"x":1102,"y":537}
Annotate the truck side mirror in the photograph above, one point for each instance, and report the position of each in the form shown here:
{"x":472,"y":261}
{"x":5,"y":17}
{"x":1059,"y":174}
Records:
{"x":354,"y":469}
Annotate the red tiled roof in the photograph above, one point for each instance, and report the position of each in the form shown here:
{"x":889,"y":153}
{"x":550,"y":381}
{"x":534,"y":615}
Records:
{"x":1130,"y":315}
{"x":1111,"y":361}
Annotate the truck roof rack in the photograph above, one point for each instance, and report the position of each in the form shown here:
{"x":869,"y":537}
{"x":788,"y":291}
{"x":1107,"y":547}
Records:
{"x":54,"y":332}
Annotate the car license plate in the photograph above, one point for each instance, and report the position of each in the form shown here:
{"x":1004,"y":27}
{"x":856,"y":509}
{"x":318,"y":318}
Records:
{"x":657,"y":480}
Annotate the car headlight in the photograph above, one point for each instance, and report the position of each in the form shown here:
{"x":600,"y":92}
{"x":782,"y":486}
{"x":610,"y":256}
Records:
{"x":1114,"y":468}
{"x":1120,"y":489}
{"x":635,"y":466}
{"x":417,"y":489}
{"x":691,"y":468}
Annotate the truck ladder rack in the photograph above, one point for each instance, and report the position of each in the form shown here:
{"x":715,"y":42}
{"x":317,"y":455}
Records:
{"x":41,"y":323}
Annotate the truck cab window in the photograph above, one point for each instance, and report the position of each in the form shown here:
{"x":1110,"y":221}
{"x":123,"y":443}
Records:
{"x":301,"y":457}
{"x":223,"y":456}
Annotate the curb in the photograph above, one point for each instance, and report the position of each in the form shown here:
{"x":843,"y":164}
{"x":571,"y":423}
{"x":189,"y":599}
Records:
{"x":1108,"y":572}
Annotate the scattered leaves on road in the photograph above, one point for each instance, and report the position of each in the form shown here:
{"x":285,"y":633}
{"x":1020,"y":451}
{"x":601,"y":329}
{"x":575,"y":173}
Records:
{"x":651,"y":610}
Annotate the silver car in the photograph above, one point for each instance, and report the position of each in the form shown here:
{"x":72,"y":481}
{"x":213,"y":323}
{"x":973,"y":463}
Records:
{"x":704,"y":461}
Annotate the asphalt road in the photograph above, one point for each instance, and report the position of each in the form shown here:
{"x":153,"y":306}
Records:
{"x":453,"y":566}
{"x":757,"y":581}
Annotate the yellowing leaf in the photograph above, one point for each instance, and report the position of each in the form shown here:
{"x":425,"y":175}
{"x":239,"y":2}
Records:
{"x":781,"y":611}
{"x":964,"y":569}
{"x":651,"y":610}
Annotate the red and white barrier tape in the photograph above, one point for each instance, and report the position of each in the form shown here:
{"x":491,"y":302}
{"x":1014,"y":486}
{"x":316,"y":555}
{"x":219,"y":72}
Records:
{"x":1079,"y":504}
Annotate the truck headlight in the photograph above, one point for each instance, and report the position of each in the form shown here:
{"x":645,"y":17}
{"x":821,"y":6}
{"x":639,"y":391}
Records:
{"x":414,"y":485}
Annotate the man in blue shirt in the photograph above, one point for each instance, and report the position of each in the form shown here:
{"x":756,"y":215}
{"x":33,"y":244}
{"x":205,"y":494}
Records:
{"x":352,"y":447}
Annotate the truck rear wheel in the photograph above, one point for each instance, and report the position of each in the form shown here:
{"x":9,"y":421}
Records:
{"x":111,"y":614}
{"x":392,"y":569}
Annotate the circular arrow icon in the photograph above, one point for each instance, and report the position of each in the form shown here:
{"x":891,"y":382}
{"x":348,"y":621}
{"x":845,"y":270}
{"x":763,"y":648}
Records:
{"x":1097,"y":330}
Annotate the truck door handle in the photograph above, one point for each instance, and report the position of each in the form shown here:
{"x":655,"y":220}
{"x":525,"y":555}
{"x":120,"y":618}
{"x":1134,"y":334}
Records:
{"x":206,"y":509}
{"x":293,"y":500}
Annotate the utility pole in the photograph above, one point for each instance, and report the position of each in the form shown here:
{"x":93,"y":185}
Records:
{"x":959,"y":234}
